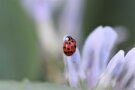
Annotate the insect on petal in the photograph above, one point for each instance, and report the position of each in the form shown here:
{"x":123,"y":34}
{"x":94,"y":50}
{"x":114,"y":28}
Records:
{"x":73,"y":68}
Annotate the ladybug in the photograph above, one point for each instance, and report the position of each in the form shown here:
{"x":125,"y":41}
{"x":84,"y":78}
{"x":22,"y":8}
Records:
{"x":69,"y":46}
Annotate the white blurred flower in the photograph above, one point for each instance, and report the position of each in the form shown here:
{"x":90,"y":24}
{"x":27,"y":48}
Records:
{"x":95,"y":56}
{"x":69,"y":22}
{"x":42,"y":12}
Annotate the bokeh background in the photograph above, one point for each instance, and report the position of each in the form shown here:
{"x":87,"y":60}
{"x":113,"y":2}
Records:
{"x":31,"y":46}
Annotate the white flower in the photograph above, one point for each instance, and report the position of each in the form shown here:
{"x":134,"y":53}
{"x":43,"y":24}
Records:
{"x":49,"y":33}
{"x":69,"y":20}
{"x":95,"y":56}
{"x":120,"y":72}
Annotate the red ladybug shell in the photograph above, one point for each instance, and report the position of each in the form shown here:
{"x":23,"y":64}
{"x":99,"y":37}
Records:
{"x":69,"y":46}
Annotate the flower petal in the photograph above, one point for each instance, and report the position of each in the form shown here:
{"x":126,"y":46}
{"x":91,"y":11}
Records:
{"x":126,"y":79}
{"x":116,"y":64}
{"x":112,"y":71}
{"x":96,"y":52}
{"x":73,"y":68}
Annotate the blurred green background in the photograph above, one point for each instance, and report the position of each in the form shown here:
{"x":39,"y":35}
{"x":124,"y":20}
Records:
{"x":19,"y":50}
{"x":18,"y":46}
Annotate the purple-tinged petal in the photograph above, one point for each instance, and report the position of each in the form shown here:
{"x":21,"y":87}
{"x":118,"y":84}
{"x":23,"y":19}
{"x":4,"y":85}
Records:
{"x":115,"y":64}
{"x":96,"y":52}
{"x":73,"y":68}
{"x":126,"y":79}
{"x":112,"y":71}
{"x":120,"y":72}
{"x":109,"y":39}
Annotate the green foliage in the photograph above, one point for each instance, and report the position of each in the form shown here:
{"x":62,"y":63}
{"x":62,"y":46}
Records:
{"x":18,"y":49}
{"x":26,"y":85}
